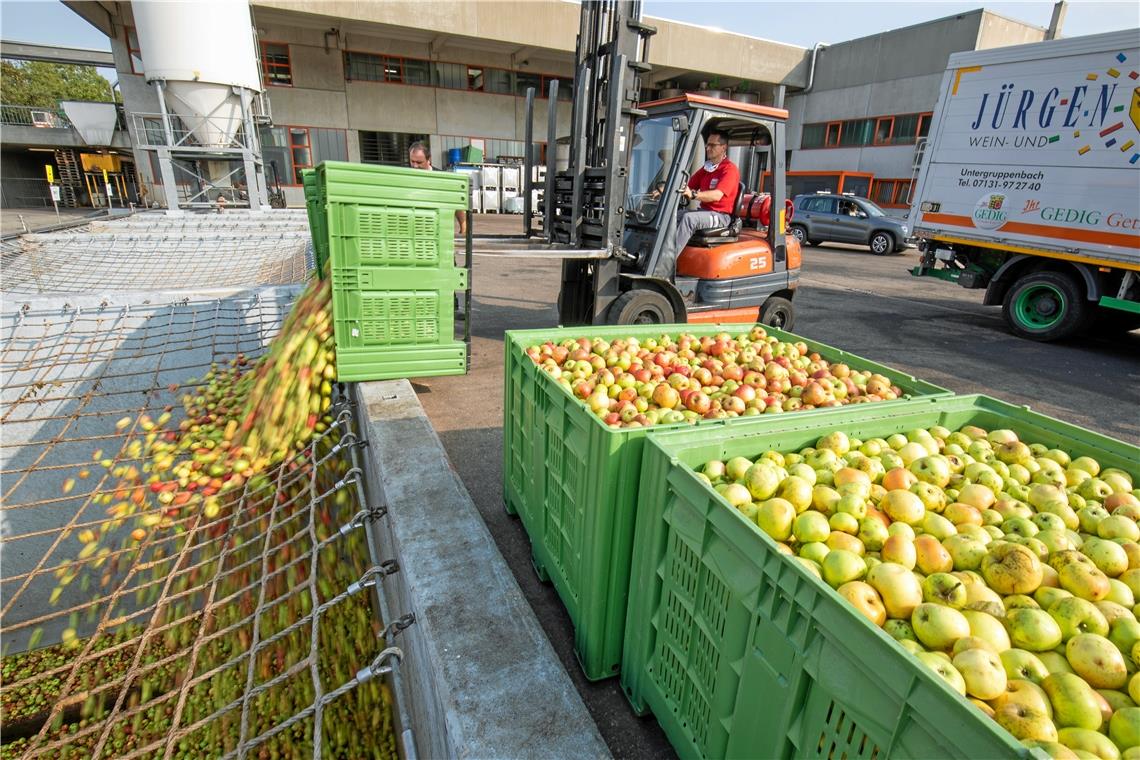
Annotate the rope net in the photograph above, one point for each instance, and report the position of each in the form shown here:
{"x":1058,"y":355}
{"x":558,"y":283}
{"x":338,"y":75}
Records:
{"x":144,"y":253}
{"x":172,"y":588}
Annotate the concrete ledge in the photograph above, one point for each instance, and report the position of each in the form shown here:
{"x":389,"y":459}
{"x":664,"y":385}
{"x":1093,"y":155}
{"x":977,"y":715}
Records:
{"x":481,"y":679}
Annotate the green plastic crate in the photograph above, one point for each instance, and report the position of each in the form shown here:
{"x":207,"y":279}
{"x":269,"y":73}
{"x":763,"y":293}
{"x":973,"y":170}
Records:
{"x":573,"y":480}
{"x":390,"y":240}
{"x":318,"y":224}
{"x":741,"y":652}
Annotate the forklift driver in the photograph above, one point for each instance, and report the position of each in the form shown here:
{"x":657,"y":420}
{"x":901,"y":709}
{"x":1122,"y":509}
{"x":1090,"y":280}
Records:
{"x":419,"y":157}
{"x":715,"y":185}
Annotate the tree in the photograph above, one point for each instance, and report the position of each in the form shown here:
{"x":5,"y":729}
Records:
{"x":42,"y":84}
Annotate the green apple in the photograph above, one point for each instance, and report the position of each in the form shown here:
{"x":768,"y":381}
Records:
{"x":899,"y":630}
{"x":1075,"y":615}
{"x":988,"y":628}
{"x":966,"y":552}
{"x":836,"y":442}
{"x":811,"y":565}
{"x":932,"y":497}
{"x":803,"y":471}
{"x":1055,"y":540}
{"x":931,"y":469}
{"x":735,"y":468}
{"x":1016,"y":601}
{"x":903,"y":506}
{"x":1116,"y":699}
{"x":1118,"y":526}
{"x":1048,"y":521}
{"x":1123,"y":727}
{"x":1027,"y":693}
{"x":1109,"y":556}
{"x":824,"y":498}
{"x":1090,"y":518}
{"x":914,"y":647}
{"x":1047,"y":596}
{"x":1052,"y":749}
{"x":1112,"y":611}
{"x":844,"y":523}
{"x":1055,"y":662}
{"x":841,"y":566}
{"x":796,"y":491}
{"x":1032,"y":629}
{"x":944,"y":588}
{"x":873,"y":533}
{"x":1025,"y":723}
{"x":1099,"y":745}
{"x":1131,"y":578}
{"x":1023,"y":665}
{"x":1088,"y":464}
{"x":938,"y":627}
{"x":945,"y":669}
{"x":1083,"y":580}
{"x":898,"y":587}
{"x":1097,"y":660}
{"x":775,"y":518}
{"x":1011,"y":569}
{"x":1119,"y":592}
{"x":810,"y":527}
{"x":982,"y":671}
{"x":1019,"y":526}
{"x":1074,"y":702}
{"x":761,"y":479}
{"x":815,"y":551}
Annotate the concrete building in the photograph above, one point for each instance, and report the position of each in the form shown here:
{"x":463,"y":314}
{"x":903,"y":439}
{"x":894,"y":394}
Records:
{"x":856,"y":126}
{"x":361,"y":81}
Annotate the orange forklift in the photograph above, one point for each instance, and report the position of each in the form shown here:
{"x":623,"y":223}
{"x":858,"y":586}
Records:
{"x":613,"y":212}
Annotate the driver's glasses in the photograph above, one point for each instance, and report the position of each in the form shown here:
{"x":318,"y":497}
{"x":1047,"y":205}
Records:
{"x":714,"y":145}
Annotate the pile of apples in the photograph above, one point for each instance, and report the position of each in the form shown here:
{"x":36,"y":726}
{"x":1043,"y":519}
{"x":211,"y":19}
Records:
{"x":632,"y":383}
{"x":1010,"y":569}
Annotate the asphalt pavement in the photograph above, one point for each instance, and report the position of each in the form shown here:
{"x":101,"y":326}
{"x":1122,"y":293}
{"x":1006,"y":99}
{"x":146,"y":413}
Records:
{"x":868,"y":305}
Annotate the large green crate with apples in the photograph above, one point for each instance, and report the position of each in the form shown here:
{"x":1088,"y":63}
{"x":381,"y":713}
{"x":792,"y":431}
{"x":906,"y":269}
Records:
{"x":740,"y":651}
{"x":391,"y":247}
{"x":573,"y":480}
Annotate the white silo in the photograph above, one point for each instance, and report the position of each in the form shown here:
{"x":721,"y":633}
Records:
{"x":199,"y":51}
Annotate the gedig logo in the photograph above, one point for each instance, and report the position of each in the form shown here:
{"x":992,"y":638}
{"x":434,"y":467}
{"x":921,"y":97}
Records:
{"x":988,"y":212}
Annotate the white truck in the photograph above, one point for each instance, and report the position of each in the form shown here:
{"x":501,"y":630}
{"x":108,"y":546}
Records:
{"x":1029,"y":183}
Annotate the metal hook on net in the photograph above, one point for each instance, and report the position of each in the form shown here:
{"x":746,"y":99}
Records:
{"x":365,"y":515}
{"x":373,"y":575}
{"x":380,"y":665}
{"x":399,"y":624}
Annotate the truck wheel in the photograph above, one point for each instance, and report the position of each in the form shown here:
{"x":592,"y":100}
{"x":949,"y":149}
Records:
{"x":1045,"y":306}
{"x":778,"y":312}
{"x":640,"y":307}
{"x":882,"y":243}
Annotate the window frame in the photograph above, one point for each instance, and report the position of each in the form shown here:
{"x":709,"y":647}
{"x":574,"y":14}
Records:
{"x":890,"y":131}
{"x":133,"y":52}
{"x":827,"y":141}
{"x":293,"y":147}
{"x":266,"y":66}
{"x":925,"y":117}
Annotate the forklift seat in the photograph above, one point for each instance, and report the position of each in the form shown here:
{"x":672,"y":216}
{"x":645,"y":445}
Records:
{"x":729,"y":233}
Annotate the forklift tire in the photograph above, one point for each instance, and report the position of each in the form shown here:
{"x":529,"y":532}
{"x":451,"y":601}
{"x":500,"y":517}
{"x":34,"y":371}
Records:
{"x":640,"y":307}
{"x":1045,"y":306}
{"x":778,"y":312}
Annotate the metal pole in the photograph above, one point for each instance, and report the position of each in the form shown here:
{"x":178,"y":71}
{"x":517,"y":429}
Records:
{"x":551,"y":153}
{"x":528,"y":160}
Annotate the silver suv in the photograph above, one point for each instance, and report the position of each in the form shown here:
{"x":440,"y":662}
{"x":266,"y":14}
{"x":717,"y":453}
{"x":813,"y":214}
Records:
{"x":828,"y":217}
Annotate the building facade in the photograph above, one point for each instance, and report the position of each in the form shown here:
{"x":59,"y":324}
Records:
{"x":361,"y":81}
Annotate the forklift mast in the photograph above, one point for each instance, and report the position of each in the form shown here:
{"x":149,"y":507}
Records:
{"x":587,"y":206}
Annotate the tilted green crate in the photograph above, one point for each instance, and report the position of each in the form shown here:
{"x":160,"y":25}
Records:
{"x":391,"y":244}
{"x":573,"y":479}
{"x":318,"y":223}
{"x":740,"y":651}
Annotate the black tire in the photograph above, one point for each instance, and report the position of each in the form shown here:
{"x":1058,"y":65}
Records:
{"x":1045,"y":306}
{"x":640,"y":307}
{"x":778,"y":312}
{"x":799,"y":232}
{"x":882,"y":243}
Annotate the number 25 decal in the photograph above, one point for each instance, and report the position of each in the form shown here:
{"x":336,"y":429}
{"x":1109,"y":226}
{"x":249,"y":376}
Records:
{"x":758,"y":263}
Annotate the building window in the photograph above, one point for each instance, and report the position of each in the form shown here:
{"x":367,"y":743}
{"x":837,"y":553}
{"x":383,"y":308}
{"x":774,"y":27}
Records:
{"x":390,"y":148}
{"x":300,"y":151}
{"x":813,"y":136}
{"x":133,"y":50}
{"x":417,"y":72}
{"x":884,"y":128}
{"x":856,"y":132}
{"x":832,"y":140}
{"x":902,"y":193}
{"x":275,"y":60}
{"x":924,"y":124}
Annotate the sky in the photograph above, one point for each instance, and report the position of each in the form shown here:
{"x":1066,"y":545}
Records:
{"x":799,"y":22}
